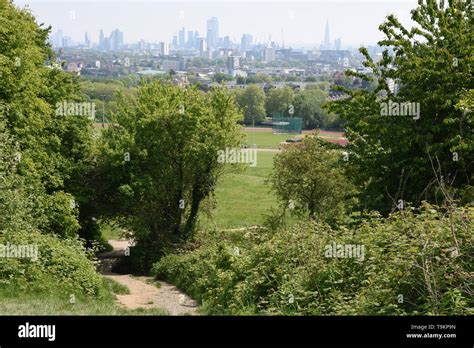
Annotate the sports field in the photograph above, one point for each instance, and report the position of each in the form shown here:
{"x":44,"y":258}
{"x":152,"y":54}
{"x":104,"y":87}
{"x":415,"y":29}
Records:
{"x":243,"y":198}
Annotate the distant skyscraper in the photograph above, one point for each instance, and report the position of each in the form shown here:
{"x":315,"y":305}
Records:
{"x":268,"y":54}
{"x":101,"y":39}
{"x":227,"y":43}
{"x":174,"y":44}
{"x":196,"y":40}
{"x":337,"y":44}
{"x":190,"y":42}
{"x":164,"y":49}
{"x":246,"y":43}
{"x":58,"y":38}
{"x":327,"y":39}
{"x":116,"y":40}
{"x":87,"y":42}
{"x":212,"y":32}
{"x":66,"y":41}
{"x":234,"y":62}
{"x":181,"y":38}
{"x":107,"y":44}
{"x":203,"y":47}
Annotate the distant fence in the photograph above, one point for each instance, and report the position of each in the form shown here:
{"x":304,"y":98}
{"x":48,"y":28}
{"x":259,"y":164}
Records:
{"x":281,"y":124}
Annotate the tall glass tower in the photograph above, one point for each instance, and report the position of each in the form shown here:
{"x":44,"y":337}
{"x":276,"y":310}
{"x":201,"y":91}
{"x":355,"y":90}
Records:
{"x":212,"y":32}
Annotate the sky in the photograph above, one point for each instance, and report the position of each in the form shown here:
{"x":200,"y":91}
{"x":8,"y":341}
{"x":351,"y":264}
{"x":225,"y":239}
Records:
{"x":297,"y":23}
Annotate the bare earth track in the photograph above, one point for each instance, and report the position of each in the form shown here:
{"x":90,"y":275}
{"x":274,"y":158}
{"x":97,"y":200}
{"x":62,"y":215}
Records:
{"x":144,"y":295}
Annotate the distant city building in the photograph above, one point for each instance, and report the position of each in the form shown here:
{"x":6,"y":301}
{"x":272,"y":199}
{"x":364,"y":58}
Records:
{"x":246,"y":43}
{"x":203,"y":52}
{"x":101,"y":39}
{"x":331,"y":56}
{"x":234,"y":62}
{"x":227,"y":43}
{"x":181,"y":38}
{"x":106,"y":45}
{"x":190,"y":42}
{"x":337,"y":44}
{"x":87,"y":42}
{"x":212,"y":32}
{"x":115,"y":41}
{"x":223,"y":52}
{"x":326,"y":45}
{"x":174,"y":43}
{"x":168,"y":65}
{"x":345,"y":62}
{"x":57,"y":39}
{"x":268,"y":54}
{"x":74,"y":68}
{"x":164,"y":49}
{"x":66,"y":42}
{"x":196,"y":40}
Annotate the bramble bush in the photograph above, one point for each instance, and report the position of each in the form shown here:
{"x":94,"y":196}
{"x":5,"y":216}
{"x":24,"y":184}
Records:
{"x":415,"y":262}
{"x":63,"y":265}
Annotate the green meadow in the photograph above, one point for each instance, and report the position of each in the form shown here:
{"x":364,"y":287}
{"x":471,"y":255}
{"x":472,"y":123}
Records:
{"x":266,"y":140}
{"x":243,"y":198}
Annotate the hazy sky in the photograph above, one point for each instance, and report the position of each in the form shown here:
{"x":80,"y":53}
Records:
{"x":300,"y":23}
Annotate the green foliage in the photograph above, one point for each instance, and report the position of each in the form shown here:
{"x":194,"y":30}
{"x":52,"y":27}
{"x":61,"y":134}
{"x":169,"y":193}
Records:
{"x":402,"y":158}
{"x":251,"y":101}
{"x":61,"y":264}
{"x":425,"y":257}
{"x":220,"y":77}
{"x":160,"y":161}
{"x":309,"y":179}
{"x":279,"y":101}
{"x":258,"y":78}
{"x":41,"y":156}
{"x":54,"y":149}
{"x":308,"y":106}
{"x":115,"y":287}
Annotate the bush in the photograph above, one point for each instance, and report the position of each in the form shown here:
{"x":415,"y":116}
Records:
{"x":309,"y":179}
{"x":413,"y":263}
{"x":62,"y":265}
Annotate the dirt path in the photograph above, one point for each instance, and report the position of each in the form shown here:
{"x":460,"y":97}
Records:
{"x":144,"y":294}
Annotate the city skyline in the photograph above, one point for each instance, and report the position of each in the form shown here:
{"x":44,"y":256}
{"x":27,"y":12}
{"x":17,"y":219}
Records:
{"x":296,"y":24}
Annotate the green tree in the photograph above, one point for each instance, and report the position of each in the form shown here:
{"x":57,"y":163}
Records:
{"x":397,"y":158}
{"x":160,"y":161}
{"x":309,"y":179}
{"x":219,"y":77}
{"x":308,"y":105}
{"x":279,"y":100}
{"x":54,"y":149}
{"x":251,"y":101}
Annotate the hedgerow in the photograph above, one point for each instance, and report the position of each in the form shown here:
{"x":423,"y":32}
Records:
{"x":414,"y":262}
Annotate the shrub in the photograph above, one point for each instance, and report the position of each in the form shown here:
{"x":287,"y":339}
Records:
{"x":413,"y":263}
{"x":63,"y":265}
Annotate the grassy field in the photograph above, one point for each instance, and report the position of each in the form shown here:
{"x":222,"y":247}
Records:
{"x":266,"y":140}
{"x":243,"y":197}
{"x":17,"y":303}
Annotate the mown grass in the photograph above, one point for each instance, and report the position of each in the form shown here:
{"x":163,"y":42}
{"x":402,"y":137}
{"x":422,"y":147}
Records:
{"x":266,"y":140}
{"x":243,"y":198}
{"x":14,"y":302}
